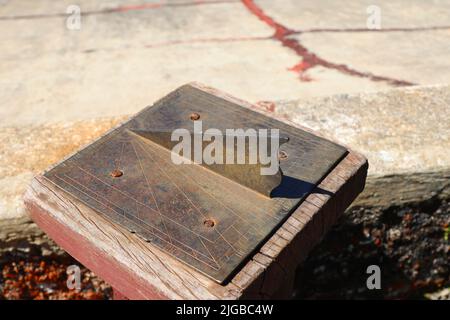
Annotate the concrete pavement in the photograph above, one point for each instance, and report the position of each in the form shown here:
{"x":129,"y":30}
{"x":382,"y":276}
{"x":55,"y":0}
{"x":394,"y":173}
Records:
{"x":127,"y":54}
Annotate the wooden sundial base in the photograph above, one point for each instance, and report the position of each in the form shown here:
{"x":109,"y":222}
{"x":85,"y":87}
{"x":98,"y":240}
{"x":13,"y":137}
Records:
{"x":139,"y":269}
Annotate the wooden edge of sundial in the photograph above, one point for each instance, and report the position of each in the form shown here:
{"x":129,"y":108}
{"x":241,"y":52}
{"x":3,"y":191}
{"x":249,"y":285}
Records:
{"x":139,"y":270}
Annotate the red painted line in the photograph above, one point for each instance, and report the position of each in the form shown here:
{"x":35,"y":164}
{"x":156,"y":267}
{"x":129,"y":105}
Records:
{"x":310,"y":59}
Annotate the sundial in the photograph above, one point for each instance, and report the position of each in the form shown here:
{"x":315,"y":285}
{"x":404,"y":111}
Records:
{"x":211,"y":217}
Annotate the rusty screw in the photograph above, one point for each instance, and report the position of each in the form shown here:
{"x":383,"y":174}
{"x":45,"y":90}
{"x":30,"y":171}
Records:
{"x":116,"y":173}
{"x":282,"y":155}
{"x":209,"y":223}
{"x":195,"y":116}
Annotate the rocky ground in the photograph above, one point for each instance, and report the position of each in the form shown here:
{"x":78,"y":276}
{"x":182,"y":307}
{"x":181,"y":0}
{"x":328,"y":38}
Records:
{"x":30,"y":275}
{"x":409,"y":243}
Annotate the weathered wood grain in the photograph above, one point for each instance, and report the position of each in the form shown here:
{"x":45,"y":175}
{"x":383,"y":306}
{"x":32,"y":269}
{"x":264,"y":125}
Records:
{"x":139,"y":270}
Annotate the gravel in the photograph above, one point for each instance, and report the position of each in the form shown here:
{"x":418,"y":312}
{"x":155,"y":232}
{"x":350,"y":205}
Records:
{"x":28,"y":275}
{"x":410,"y":244}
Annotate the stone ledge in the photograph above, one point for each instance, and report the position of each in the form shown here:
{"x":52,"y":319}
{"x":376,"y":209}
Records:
{"x":407,"y":188}
{"x":401,"y":131}
{"x":404,"y":133}
{"x":29,"y":150}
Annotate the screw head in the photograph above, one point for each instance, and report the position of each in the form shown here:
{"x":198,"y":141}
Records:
{"x":116,"y":173}
{"x":209,"y":223}
{"x":194,"y":116}
{"x":282,"y":155}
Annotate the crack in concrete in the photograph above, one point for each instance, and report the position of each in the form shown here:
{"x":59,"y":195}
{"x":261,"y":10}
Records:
{"x":182,"y":42}
{"x":357,"y":30}
{"x":310,"y":59}
{"x":206,"y":40}
{"x":282,"y":34}
{"x":121,"y":9}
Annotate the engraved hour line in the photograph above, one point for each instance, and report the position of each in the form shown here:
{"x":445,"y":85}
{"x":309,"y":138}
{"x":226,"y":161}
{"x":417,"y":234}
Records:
{"x":204,"y":245}
{"x":142,"y":221}
{"x":245,"y":237}
{"x":170,"y":179}
{"x":232,"y":226}
{"x":220,"y":234}
{"x":137,"y":201}
{"x":154,"y":227}
{"x":145,"y":176}
{"x":120,"y":156}
{"x":143,"y":204}
{"x":263,"y":212}
{"x":131,"y":221}
{"x":178,"y":188}
{"x":151,"y":191}
{"x":217,"y":200}
{"x":165,"y":173}
{"x":224,"y":205}
{"x":115,"y":189}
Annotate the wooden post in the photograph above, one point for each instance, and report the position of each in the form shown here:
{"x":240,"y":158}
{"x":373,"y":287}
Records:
{"x":118,"y":296}
{"x":137,"y":269}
